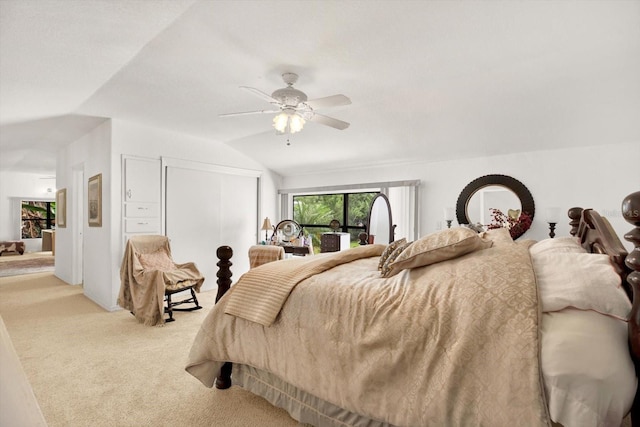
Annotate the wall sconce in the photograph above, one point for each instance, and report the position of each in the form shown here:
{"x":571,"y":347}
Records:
{"x":552,"y":214}
{"x":266,"y":226}
{"x":449,"y":214}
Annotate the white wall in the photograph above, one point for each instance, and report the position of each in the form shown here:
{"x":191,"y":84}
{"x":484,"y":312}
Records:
{"x":595,"y":177}
{"x":17,"y":186}
{"x":100,"y":151}
{"x":91,"y":155}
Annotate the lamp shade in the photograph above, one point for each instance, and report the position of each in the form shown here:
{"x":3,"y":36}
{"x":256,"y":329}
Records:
{"x":449,"y":214}
{"x":552,"y":214}
{"x":266,"y":224}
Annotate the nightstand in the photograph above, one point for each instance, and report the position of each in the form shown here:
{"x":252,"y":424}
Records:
{"x":334,"y":242}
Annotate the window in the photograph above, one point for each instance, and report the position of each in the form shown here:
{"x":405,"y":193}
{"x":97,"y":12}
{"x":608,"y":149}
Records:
{"x":35,"y":217}
{"x":315,"y":212}
{"x":314,"y":208}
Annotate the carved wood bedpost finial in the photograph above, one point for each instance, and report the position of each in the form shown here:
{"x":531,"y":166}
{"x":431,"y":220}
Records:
{"x":574,"y":215}
{"x":224,"y":253}
{"x":631,"y":213}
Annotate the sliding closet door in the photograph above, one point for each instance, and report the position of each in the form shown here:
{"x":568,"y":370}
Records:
{"x":206,"y":209}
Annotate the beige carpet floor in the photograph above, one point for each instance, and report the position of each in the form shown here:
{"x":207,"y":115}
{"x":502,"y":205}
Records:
{"x":90,"y":367}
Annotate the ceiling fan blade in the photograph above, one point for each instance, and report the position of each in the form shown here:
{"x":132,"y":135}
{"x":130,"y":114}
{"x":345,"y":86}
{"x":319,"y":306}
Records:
{"x":329,"y":121}
{"x":261,"y":94}
{"x":246,"y":113}
{"x":328,"y":101}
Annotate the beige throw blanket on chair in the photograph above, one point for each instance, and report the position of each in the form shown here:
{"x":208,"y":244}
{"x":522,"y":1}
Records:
{"x":262,"y":254}
{"x":142,"y":289}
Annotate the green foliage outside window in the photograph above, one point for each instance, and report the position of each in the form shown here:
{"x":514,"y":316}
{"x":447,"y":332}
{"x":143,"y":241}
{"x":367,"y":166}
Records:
{"x":315,"y":212}
{"x":37,"y":216}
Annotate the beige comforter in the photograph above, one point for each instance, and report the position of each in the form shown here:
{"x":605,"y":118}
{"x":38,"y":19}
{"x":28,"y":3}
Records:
{"x":452,"y":344}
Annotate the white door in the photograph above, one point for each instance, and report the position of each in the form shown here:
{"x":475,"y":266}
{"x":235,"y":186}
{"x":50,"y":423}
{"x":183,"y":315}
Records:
{"x":142,"y":180}
{"x":206,"y":209}
{"x":77,"y":272}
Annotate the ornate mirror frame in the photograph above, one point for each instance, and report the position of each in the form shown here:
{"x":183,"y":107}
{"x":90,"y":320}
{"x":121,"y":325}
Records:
{"x":383,"y":201}
{"x":522,"y":192}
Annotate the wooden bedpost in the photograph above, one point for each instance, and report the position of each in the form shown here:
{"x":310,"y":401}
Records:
{"x":574,"y":214}
{"x":631,"y":213}
{"x":224,"y":254}
{"x":224,"y":274}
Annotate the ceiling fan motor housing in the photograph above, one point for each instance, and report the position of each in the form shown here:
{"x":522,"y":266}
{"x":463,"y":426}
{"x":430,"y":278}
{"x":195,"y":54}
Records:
{"x":289,"y":96}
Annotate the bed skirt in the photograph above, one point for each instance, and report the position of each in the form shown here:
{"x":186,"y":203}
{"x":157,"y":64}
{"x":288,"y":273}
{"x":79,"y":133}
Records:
{"x":302,"y":406}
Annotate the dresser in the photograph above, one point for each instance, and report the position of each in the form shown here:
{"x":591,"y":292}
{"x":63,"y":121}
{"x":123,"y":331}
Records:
{"x":334,"y":242}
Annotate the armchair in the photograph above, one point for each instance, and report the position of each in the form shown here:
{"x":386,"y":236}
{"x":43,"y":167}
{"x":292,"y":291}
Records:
{"x":149,"y":277}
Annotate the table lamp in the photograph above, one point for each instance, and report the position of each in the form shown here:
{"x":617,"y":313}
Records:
{"x":266,"y":226}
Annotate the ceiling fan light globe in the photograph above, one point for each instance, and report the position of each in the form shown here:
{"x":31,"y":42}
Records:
{"x":280,"y":122}
{"x":296,"y":123}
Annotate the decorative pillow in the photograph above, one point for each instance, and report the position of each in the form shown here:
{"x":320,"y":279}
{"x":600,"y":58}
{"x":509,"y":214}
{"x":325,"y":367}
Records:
{"x":386,"y":268}
{"x":389,"y":250}
{"x":558,"y":245}
{"x":498,"y":236}
{"x":440,"y":246}
{"x":156,"y":261}
{"x":580,"y":280}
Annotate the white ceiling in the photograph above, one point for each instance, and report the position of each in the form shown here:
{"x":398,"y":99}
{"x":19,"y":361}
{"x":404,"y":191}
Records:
{"x":428,"y":80}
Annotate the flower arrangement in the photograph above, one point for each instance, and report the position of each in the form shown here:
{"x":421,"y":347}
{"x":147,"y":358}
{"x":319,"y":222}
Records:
{"x":515,"y":221}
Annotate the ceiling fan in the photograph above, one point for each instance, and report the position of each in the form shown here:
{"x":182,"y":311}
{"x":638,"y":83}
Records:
{"x":294,"y":109}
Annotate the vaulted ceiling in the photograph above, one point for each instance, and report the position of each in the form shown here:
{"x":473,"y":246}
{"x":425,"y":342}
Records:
{"x":428,"y":80}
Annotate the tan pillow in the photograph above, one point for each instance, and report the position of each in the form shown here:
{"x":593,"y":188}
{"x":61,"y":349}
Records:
{"x":389,"y":250}
{"x":498,"y":236}
{"x":386,"y":268}
{"x":156,"y":261}
{"x":439,"y":246}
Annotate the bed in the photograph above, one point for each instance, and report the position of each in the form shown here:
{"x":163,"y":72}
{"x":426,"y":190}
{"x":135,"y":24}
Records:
{"x":465,"y":329}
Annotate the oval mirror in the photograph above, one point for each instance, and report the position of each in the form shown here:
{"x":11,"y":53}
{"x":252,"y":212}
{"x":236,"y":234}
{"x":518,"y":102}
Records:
{"x":380,"y":228}
{"x":500,"y":192}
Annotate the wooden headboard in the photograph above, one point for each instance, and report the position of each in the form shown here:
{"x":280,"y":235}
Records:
{"x":597,"y":236}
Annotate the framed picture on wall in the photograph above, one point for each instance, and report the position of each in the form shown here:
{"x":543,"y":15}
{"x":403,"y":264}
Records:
{"x":61,"y":208}
{"x":95,"y":201}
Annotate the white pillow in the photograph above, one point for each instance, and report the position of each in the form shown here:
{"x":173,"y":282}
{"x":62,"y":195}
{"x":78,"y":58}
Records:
{"x":558,"y":245}
{"x":589,"y":377}
{"x":580,"y":280}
